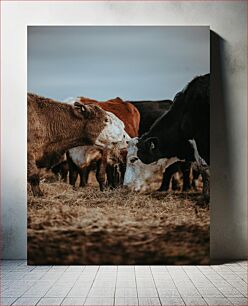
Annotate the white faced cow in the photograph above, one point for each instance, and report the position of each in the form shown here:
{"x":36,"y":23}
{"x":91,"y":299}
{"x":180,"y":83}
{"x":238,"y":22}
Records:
{"x":142,"y":177}
{"x":55,"y":127}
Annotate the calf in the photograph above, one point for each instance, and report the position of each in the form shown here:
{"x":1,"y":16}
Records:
{"x":86,"y":158}
{"x":55,"y":127}
{"x":141,"y":177}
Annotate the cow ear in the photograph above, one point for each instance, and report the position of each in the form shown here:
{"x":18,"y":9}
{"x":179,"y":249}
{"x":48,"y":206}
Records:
{"x":152,"y":143}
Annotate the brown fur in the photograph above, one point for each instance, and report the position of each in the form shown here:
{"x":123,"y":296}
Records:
{"x":55,"y":127}
{"x":125,"y":111}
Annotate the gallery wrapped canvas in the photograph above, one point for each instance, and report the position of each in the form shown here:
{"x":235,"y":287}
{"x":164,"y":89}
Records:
{"x":118,"y":145}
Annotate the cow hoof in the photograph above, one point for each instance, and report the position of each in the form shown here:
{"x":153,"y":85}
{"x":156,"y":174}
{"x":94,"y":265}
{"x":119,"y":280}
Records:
{"x":38,"y":193}
{"x":186,"y":188}
{"x":163,"y":189}
{"x":102,"y":187}
{"x":203,"y":201}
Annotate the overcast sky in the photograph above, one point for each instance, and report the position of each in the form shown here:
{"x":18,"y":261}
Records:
{"x":104,"y":62}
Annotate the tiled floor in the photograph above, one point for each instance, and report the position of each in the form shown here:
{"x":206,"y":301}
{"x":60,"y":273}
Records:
{"x":123,"y":285}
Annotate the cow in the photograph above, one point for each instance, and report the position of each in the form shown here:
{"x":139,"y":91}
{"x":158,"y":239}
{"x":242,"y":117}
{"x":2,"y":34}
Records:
{"x":187,"y":119}
{"x":55,"y":127}
{"x":87,"y":158}
{"x":141,"y":177}
{"x":131,"y":119}
{"x":150,"y":111}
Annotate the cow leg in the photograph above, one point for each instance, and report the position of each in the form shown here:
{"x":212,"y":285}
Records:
{"x":117,"y":173}
{"x":185,"y":166}
{"x":167,"y":176}
{"x":64,"y":171}
{"x":110,"y":176}
{"x":206,"y":184}
{"x":175,"y":183}
{"x":33,"y":176}
{"x":101,"y":169}
{"x":84,"y":175}
{"x":123,"y":170}
{"x":101,"y":174}
{"x":195,"y":175}
{"x":73,"y":171}
{"x":166,"y":181}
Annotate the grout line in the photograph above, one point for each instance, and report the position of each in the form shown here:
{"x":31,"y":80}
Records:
{"x":227,"y":281}
{"x":155,"y":286}
{"x":135,"y":277}
{"x":117,"y":270}
{"x":176,"y":286}
{"x":92,"y":283}
{"x":73,"y":284}
{"x":210,"y":281}
{"x":193,"y":282}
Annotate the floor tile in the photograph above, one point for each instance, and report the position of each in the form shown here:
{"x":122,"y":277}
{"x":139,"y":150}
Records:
{"x":239,"y":301}
{"x":164,"y":292}
{"x":149,"y":301}
{"x":121,"y":301}
{"x":147,"y":292}
{"x":7,"y":300}
{"x":194,"y":301}
{"x":130,"y":285}
{"x":73,"y":301}
{"x":99,"y":301}
{"x":102,"y":292}
{"x":79,"y":291}
{"x":26,"y":301}
{"x":50,"y":301}
{"x":217,"y":301}
{"x":126,"y":292}
{"x":167,"y":301}
{"x":58,"y":291}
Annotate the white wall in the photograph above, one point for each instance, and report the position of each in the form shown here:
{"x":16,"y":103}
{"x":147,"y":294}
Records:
{"x":228,"y":106}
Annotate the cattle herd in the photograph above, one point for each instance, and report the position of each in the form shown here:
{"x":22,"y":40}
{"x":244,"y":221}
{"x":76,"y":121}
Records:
{"x":139,"y":145}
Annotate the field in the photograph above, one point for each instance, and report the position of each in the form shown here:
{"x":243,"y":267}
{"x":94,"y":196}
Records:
{"x":86,"y":226}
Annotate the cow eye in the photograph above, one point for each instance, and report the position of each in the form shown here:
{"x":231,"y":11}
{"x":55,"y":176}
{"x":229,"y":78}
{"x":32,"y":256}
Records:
{"x":133,"y":159}
{"x":106,"y":120}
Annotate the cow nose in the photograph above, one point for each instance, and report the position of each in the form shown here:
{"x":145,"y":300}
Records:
{"x":133,"y":159}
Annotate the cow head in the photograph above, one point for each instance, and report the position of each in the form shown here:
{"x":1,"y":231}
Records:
{"x":85,"y":111}
{"x":113,"y":133}
{"x":151,"y":149}
{"x":142,"y":177}
{"x":148,"y":149}
{"x":110,"y":128}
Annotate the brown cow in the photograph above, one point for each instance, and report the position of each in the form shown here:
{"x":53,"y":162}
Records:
{"x":131,"y":118}
{"x":54,"y":128}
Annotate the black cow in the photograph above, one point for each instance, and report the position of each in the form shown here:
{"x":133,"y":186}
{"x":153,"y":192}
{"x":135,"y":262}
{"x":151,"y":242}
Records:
{"x":188,"y":118}
{"x":150,"y":111}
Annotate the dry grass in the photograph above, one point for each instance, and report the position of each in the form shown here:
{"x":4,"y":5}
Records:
{"x":86,"y":226}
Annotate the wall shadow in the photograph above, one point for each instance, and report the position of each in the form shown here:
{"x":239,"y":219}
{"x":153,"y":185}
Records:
{"x":224,"y":232}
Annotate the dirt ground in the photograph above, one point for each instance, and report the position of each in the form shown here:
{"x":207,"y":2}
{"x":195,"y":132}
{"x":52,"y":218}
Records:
{"x":87,"y":226}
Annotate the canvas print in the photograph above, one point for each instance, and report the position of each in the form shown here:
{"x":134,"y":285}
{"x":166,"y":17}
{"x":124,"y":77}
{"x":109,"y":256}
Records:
{"x":118,"y":163}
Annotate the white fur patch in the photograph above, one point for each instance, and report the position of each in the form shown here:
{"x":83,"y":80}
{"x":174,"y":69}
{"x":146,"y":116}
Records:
{"x":114,"y":132}
{"x":200,"y":161}
{"x":139,"y":176}
{"x":142,"y":177}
